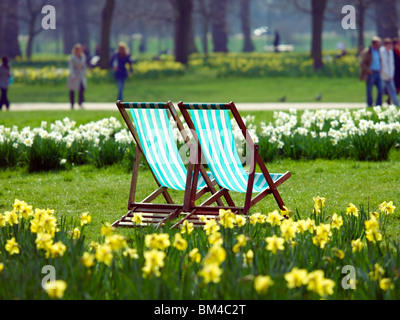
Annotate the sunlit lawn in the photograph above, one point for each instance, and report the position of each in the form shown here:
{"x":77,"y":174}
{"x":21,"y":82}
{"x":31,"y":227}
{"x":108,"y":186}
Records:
{"x":192,"y":88}
{"x":104,"y":192}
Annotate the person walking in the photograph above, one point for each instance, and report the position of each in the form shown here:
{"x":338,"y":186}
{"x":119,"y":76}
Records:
{"x":370,"y":70}
{"x":387,"y":70}
{"x":396,"y":51}
{"x":77,"y":75}
{"x":119,"y":62}
{"x":5,"y":75}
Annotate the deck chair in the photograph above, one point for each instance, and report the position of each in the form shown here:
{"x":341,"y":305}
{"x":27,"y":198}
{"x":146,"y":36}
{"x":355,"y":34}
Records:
{"x":149,"y":124}
{"x":212,"y":130}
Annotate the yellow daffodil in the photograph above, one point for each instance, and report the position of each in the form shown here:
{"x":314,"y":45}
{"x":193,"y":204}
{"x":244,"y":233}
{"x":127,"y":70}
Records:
{"x":319,"y":203}
{"x":56,"y":289}
{"x":337,"y":221}
{"x":179,"y":243}
{"x":104,"y":253}
{"x":131,"y":253}
{"x":216,"y":254}
{"x":195,"y":255}
{"x":12,"y":247}
{"x":248,"y":257}
{"x":25,"y":211}
{"x":107,"y":229}
{"x":377,"y":273}
{"x":211,"y":226}
{"x":18,"y":205}
{"x":274,"y":218}
{"x":296,"y":278}
{"x":157,"y":241}
{"x":262,"y":284}
{"x":2,"y":220}
{"x":211,"y":273}
{"x":1,"y":267}
{"x":11,"y":217}
{"x":227,"y":218}
{"x":76,"y":233}
{"x":387,"y":207}
{"x":357,"y":245}
{"x":240,"y":220}
{"x":257,"y":218}
{"x":187,"y":227}
{"x":241,"y":242}
{"x":386,"y":284}
{"x":322,"y":235}
{"x":372,"y":231}
{"x":352,"y":210}
{"x":288,"y":229}
{"x":88,"y":259}
{"x":154,"y":261}
{"x":85,"y":218}
{"x":115,"y":241}
{"x":275,"y":243}
{"x":137,"y":218}
{"x":215,"y":239}
{"x":339,"y":253}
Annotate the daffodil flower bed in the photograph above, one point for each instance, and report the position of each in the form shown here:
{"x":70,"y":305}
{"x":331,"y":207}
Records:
{"x":277,"y":65}
{"x":364,"y":134}
{"x":50,"y":75}
{"x":260,"y":256}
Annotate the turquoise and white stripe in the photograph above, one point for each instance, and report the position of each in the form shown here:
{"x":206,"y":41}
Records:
{"x":214,"y":130}
{"x":158,"y":144}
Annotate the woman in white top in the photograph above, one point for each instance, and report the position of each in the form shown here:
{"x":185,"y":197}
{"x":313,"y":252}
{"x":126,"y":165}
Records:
{"x":77,"y":75}
{"x":387,"y":71}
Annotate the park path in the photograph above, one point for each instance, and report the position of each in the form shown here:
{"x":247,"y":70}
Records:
{"x":241,"y":106}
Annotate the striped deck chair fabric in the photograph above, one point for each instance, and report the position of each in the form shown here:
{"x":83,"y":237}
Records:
{"x":159,"y":146}
{"x":214,"y":130}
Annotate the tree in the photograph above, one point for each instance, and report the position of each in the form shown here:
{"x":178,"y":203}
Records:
{"x":219,"y":29}
{"x":68,"y":26}
{"x":361,"y":9}
{"x":386,"y":18}
{"x":80,"y":8}
{"x":206,"y":14}
{"x":11,"y":29}
{"x":31,"y":18}
{"x":245,"y":19}
{"x":317,"y":10}
{"x":106,"y":20}
{"x":182,"y":28}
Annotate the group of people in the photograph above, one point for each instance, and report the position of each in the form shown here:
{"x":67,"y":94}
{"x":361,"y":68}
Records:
{"x":120,"y":60}
{"x":380,"y":67}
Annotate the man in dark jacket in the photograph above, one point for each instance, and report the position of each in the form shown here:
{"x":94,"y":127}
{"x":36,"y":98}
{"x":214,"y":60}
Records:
{"x":371,"y":70}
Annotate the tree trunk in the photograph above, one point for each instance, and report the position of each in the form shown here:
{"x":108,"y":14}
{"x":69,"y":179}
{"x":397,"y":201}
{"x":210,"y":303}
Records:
{"x":245,"y":19}
{"x":105,"y":33}
{"x":182,"y":23}
{"x":81,"y":22}
{"x":2,"y":14}
{"x":68,"y":27}
{"x":360,"y":9}
{"x":219,"y":29}
{"x":318,"y":9}
{"x":205,"y":22}
{"x":11,"y":30}
{"x":386,"y":18}
{"x":31,"y":35}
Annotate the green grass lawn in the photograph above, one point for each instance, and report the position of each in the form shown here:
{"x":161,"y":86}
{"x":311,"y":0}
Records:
{"x":204,"y":88}
{"x":104,"y":192}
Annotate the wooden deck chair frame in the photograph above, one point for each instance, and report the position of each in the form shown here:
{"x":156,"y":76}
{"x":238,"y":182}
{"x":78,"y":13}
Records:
{"x":255,"y":160}
{"x":154,"y":213}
